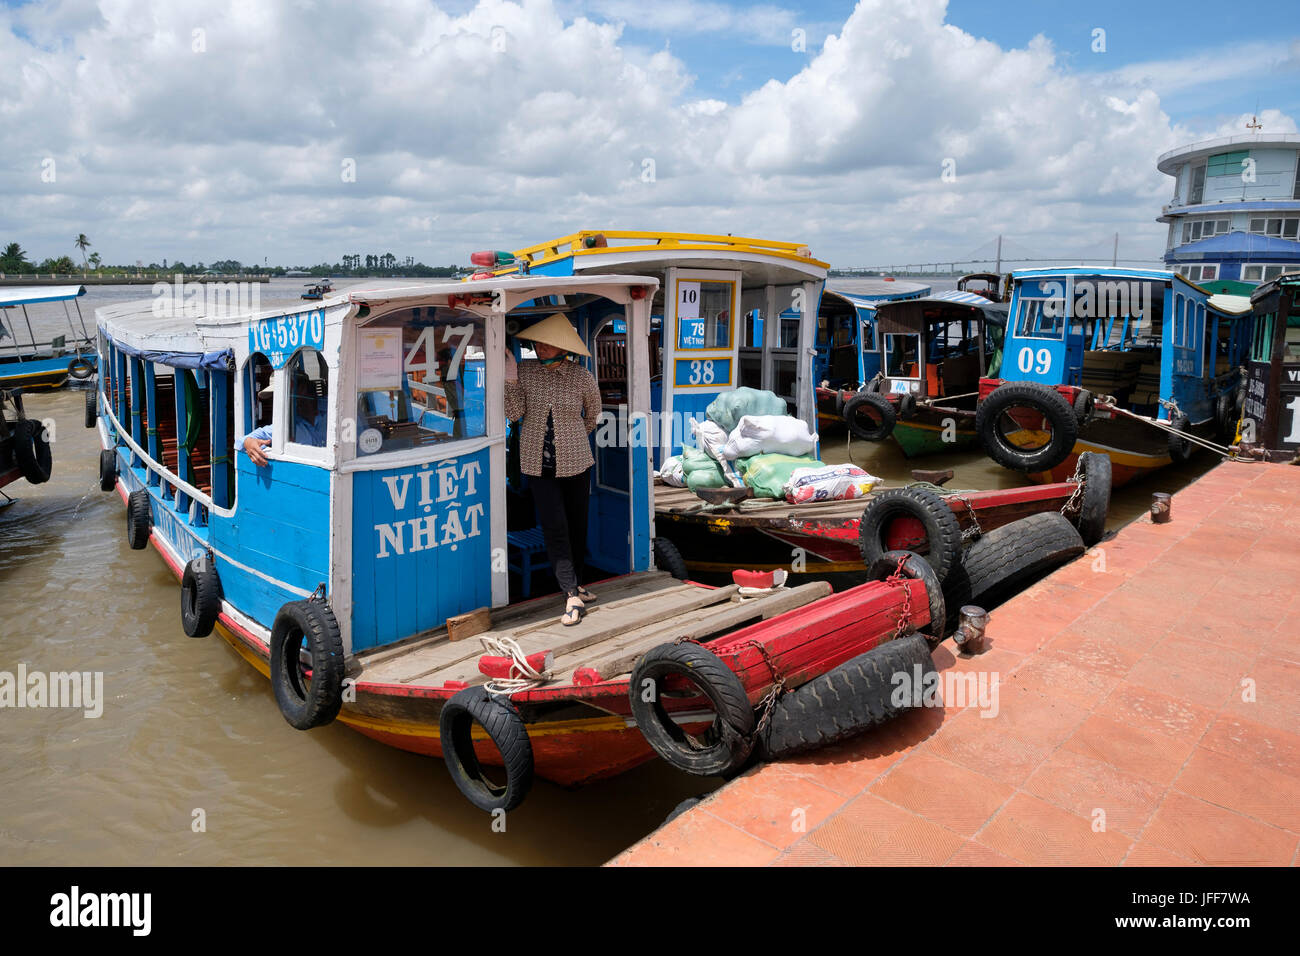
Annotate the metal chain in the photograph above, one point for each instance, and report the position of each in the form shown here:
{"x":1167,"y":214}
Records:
{"x":905,"y":615}
{"x":1078,"y":480}
{"x":974,"y":531}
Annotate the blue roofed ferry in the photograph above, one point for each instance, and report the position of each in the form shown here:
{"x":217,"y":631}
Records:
{"x":375,"y":571}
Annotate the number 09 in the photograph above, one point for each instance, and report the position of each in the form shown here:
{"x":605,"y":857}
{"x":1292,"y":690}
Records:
{"x":1029,"y":362}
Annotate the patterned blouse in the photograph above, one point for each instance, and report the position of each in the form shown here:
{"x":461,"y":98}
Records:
{"x":565,"y":398}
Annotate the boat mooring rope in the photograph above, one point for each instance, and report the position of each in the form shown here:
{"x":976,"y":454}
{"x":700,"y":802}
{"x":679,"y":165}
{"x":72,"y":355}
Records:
{"x":508,"y":647}
{"x":1223,"y":451}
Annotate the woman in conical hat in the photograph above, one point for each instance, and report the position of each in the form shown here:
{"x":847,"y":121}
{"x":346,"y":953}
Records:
{"x":557,"y":403}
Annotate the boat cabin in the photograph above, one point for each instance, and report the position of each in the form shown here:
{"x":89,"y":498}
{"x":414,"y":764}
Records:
{"x":938,"y":346}
{"x":42,"y":355}
{"x":386,"y":489}
{"x":708,"y":329}
{"x":1146,"y":337}
{"x":1271,"y":413}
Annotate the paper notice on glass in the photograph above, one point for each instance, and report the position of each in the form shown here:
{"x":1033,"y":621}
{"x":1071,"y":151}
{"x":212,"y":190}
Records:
{"x":379,"y":359}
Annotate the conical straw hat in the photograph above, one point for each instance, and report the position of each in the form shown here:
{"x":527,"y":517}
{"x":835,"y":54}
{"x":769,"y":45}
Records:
{"x":555,"y":330}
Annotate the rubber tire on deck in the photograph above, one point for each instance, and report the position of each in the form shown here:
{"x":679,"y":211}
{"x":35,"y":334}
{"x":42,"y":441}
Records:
{"x":107,"y":469}
{"x":200,"y":597}
{"x":930,"y":509}
{"x":319,"y":704}
{"x":1008,"y":559}
{"x":1042,"y":398}
{"x":32,"y":451}
{"x":139,"y":519}
{"x":92,"y":408}
{"x":906,"y":406}
{"x":913,"y":568}
{"x":1094,"y":503}
{"x":702,"y":668}
{"x":668,"y":558}
{"x":506,"y":728}
{"x":1180,"y":449}
{"x":844,"y":702}
{"x":872,"y":402}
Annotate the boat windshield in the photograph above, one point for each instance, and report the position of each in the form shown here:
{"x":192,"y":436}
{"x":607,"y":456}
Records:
{"x":420,"y":379}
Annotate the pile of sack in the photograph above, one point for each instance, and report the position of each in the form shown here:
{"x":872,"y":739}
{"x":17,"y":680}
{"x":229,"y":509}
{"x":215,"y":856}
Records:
{"x":748,"y":439}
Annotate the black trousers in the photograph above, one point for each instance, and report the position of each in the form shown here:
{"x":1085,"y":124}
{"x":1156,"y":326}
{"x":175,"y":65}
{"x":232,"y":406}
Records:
{"x":562,"y":513}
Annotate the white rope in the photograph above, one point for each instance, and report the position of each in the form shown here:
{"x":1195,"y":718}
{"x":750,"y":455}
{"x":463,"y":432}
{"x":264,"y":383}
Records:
{"x":508,"y":647}
{"x":1222,"y":450}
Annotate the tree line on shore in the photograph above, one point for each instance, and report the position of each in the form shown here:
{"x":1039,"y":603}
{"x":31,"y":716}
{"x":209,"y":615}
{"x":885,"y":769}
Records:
{"x":14,"y":260}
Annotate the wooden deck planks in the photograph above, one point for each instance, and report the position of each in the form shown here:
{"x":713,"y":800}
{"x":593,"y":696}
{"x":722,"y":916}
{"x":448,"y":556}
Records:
{"x":433,"y":664}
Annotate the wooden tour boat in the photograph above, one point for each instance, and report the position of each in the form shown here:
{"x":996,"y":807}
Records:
{"x":1115,"y":361}
{"x":1270,"y":419}
{"x":367,"y":569}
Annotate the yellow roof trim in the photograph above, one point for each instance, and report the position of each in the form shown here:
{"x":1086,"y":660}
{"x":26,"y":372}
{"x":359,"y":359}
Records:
{"x":573,"y":245}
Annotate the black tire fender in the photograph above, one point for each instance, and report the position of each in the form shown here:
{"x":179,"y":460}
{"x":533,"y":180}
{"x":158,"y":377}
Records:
{"x":906,"y":406}
{"x":92,"y":408}
{"x":1083,"y":405}
{"x":870,"y":402}
{"x":1043,"y":399}
{"x":733,"y":721}
{"x":501,"y":720}
{"x":861,"y":693}
{"x":1225,"y":418}
{"x":80,"y":369}
{"x":942,"y":530}
{"x":1180,"y":449}
{"x":139,"y":519}
{"x":200,"y":597}
{"x":108,"y":469}
{"x":32,"y":451}
{"x":308,"y":625}
{"x":668,"y":558}
{"x":1008,"y":559}
{"x":915,"y":567}
{"x":1094,"y":503}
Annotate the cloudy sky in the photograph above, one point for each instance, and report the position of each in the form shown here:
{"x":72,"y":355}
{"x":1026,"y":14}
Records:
{"x":302,"y":131}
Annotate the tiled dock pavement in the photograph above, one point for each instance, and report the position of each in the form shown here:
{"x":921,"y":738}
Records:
{"x":1148,"y":714}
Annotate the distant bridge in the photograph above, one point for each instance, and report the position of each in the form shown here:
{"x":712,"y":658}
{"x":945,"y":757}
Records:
{"x":1000,"y":255}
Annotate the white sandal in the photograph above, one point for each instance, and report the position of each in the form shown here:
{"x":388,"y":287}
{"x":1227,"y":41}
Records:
{"x":574,"y":611}
{"x":587,"y":596}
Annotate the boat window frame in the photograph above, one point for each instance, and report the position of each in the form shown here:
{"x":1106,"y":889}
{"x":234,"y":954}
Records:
{"x":281,"y":408}
{"x":349,"y":459}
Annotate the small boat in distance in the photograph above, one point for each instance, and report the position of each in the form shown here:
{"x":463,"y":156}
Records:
{"x":318,"y":290}
{"x":35,"y":364}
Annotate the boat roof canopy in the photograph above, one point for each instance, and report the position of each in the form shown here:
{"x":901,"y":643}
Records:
{"x":760,"y":261}
{"x":204,"y":341}
{"x":25,"y":295}
{"x":993,"y":312}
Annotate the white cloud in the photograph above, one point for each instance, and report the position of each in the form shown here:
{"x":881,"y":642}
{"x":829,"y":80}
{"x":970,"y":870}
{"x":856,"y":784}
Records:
{"x":508,"y":124}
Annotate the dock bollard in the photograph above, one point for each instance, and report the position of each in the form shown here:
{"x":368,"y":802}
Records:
{"x":970,"y":633}
{"x":1161,"y":503}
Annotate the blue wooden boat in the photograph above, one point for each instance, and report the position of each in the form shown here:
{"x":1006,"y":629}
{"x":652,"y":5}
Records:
{"x":373,"y":569}
{"x":1157,"y":347}
{"x":27,"y":360}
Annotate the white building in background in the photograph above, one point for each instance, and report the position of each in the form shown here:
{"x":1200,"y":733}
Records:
{"x":1235,"y":214}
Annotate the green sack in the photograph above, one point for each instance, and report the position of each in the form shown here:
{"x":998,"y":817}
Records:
{"x":728,"y":408}
{"x":706,"y":478}
{"x":768,"y":474}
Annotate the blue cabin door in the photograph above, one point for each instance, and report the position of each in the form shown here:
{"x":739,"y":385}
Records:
{"x":700,"y":343}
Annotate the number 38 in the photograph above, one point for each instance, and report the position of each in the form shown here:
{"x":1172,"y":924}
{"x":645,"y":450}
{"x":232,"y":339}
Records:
{"x":701,"y":373}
